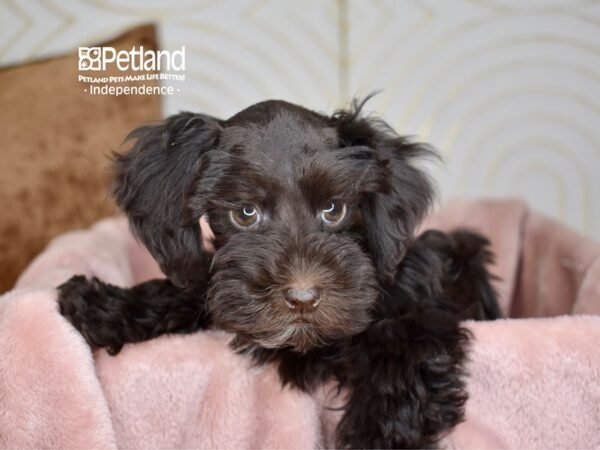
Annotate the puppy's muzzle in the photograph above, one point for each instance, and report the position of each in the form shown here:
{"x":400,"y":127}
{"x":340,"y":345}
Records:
{"x":302,"y":299}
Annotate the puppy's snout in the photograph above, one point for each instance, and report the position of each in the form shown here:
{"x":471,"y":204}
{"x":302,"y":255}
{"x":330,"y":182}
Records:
{"x":302,"y":299}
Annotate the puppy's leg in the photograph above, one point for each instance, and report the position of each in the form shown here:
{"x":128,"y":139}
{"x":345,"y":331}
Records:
{"x":110,"y":316}
{"x":467,"y":280}
{"x":407,"y":389}
{"x":405,"y":373}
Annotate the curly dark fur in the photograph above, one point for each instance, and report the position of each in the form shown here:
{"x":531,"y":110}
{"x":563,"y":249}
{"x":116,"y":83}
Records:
{"x":385,"y":307}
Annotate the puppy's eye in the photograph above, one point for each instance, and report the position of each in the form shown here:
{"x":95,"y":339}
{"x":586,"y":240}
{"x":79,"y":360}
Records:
{"x":334,"y":213}
{"x":246,"y":216}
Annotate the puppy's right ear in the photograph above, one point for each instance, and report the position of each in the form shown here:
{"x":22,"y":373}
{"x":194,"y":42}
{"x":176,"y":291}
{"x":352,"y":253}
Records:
{"x":151,"y":184}
{"x":404,"y":194}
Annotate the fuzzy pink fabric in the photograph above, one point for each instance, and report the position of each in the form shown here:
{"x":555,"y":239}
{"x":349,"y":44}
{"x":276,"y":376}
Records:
{"x":534,"y":378}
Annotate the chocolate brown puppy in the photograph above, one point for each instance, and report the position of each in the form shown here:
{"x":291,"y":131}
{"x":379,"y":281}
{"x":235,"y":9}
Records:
{"x":295,"y":231}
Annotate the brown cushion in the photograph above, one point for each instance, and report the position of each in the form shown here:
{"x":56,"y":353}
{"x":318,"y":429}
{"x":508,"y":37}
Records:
{"x":56,"y":139}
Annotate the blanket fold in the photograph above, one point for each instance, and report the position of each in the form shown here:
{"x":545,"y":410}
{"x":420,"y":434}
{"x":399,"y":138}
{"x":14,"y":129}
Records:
{"x":534,"y":378}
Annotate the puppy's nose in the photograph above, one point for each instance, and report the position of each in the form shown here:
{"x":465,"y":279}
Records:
{"x":302,"y":300}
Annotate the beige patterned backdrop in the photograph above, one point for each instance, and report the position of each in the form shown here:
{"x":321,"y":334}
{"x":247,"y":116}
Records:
{"x":507,"y":90}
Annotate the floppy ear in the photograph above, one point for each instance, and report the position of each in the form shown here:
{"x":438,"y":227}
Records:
{"x":405,"y":193}
{"x":152,"y":180}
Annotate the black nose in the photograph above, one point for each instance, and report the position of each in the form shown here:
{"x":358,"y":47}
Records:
{"x":302,"y":300}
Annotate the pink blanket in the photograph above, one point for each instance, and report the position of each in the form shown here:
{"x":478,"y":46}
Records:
{"x":534,"y":378}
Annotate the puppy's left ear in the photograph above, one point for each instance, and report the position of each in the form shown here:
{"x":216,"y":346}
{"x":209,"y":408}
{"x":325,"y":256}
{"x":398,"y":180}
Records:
{"x":152,"y":185}
{"x":405,"y":192}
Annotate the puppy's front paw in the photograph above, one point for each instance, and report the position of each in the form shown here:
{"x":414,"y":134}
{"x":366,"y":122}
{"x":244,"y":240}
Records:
{"x":86,"y":304}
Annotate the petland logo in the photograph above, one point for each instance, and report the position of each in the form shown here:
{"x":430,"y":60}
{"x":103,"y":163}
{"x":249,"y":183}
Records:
{"x":136,"y":59}
{"x":143,"y":72}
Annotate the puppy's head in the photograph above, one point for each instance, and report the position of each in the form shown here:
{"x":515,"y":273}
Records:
{"x":299,"y":217}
